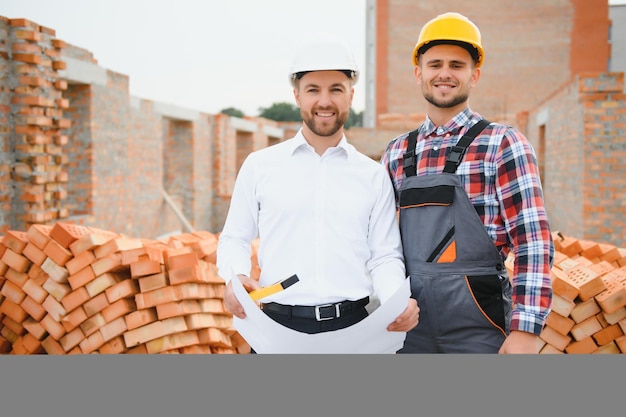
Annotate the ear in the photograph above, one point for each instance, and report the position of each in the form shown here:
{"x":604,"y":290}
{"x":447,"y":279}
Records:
{"x":417,"y":72}
{"x":351,"y":94}
{"x":475,"y":77}
{"x":296,"y":95}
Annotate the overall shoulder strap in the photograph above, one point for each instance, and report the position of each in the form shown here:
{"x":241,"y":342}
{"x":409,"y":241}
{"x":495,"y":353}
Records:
{"x":409,"y":160}
{"x":458,"y":151}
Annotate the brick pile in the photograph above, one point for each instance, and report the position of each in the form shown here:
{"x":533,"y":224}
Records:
{"x":71,"y":289}
{"x":589,"y":298}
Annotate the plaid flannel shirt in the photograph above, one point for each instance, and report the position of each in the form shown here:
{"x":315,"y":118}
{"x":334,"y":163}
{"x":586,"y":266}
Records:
{"x":501,"y":177}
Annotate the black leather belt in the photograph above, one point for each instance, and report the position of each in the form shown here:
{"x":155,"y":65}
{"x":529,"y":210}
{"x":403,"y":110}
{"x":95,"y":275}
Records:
{"x":320,"y":312}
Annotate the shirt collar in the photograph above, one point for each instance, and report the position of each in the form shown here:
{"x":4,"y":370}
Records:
{"x":453,"y":126}
{"x":299,"y":142}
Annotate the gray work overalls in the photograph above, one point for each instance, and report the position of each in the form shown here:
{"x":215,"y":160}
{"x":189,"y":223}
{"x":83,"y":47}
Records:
{"x":456,"y":273}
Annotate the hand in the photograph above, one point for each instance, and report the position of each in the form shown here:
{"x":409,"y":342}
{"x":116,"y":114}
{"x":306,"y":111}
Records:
{"x":408,"y":319}
{"x":520,"y":342}
{"x":231,"y":303}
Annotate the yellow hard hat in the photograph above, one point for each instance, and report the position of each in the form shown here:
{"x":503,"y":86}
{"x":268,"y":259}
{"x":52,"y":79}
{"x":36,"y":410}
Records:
{"x":450,"y":28}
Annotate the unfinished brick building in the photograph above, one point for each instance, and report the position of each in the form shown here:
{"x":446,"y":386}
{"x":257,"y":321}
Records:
{"x":77,"y":147}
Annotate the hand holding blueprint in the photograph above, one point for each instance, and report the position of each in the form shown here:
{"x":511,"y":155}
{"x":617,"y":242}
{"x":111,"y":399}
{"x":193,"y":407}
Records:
{"x":370,"y":335}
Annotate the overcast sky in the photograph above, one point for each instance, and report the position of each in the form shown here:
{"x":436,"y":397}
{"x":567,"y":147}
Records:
{"x":204,"y":55}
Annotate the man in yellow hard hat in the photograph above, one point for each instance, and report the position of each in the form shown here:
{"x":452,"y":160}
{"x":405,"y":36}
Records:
{"x":468,"y":193}
{"x":323,"y":211}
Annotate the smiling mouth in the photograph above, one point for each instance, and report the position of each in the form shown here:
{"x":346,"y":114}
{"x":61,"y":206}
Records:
{"x":324,"y":114}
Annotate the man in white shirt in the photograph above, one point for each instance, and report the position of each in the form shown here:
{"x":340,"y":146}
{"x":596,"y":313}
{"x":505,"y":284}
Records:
{"x":322,"y":211}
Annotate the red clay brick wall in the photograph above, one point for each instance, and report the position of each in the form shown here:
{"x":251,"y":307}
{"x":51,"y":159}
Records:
{"x":31,"y":155}
{"x":79,"y":150}
{"x":178,"y":169}
{"x":202,"y":207}
{"x":604,"y":104}
{"x":150,"y":215}
{"x":5,"y":128}
{"x":585,"y":156}
{"x":531,"y":48}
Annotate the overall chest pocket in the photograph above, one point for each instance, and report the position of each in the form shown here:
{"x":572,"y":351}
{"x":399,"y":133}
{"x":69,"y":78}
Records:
{"x":427,"y":223}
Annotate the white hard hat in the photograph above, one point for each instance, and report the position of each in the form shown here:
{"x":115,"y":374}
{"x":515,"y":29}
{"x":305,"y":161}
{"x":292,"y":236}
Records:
{"x":322,"y":54}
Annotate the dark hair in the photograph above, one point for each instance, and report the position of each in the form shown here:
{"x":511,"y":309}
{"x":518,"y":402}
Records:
{"x":349,"y":74}
{"x":467,"y":46}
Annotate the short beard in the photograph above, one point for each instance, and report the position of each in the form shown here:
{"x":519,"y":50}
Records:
{"x":323,"y":130}
{"x":455,"y":101}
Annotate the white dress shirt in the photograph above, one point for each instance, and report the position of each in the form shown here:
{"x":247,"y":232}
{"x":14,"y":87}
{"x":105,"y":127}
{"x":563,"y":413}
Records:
{"x":330,"y":219}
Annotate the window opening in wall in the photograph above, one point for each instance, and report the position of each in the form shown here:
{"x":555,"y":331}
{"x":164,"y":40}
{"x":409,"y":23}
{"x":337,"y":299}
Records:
{"x":244,"y":147}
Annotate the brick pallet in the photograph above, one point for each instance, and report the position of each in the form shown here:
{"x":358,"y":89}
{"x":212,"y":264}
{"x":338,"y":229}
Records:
{"x":70,"y":289}
{"x":588,"y":313}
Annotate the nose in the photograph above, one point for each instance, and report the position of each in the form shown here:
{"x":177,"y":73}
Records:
{"x":325,"y":98}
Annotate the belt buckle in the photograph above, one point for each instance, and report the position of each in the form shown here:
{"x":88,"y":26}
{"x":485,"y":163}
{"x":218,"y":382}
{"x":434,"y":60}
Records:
{"x":318,"y":315}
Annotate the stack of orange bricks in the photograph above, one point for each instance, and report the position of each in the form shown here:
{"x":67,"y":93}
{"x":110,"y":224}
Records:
{"x":71,"y":289}
{"x":589,"y":298}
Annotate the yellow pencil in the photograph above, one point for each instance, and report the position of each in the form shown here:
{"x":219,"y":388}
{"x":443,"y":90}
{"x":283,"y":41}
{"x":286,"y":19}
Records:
{"x":274,"y":288}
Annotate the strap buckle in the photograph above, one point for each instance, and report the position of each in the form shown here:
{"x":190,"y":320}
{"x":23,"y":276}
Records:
{"x":456,"y":154}
{"x":328,"y":313}
{"x":408,"y":159}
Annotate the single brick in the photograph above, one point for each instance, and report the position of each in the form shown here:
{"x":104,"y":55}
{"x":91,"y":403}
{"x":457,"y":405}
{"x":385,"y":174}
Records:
{"x":584,"y":346}
{"x":53,"y":327}
{"x":144,"y":267}
{"x":91,"y":343}
{"x":172,"y":341}
{"x":66,"y":233}
{"x":54,"y":308}
{"x":113,"y":329}
{"x":34,"y":254}
{"x":33,"y":308}
{"x":607,"y":335}
{"x":74,"y":319}
{"x":80,"y":261}
{"x":34,"y":327}
{"x":96,"y":304}
{"x":101,"y":283}
{"x":76,"y":298}
{"x":12,"y":292}
{"x":586,"y":328}
{"x":57,"y":253}
{"x":71,"y":339}
{"x":123,"y":289}
{"x":118,"y":309}
{"x":554,"y":338}
{"x":55,"y":271}
{"x":81,"y":278}
{"x":152,"y":282}
{"x":584,"y":309}
{"x":39,"y":235}
{"x":56,"y":289}
{"x":52,"y":346}
{"x":140,"y":318}
{"x":16,"y":260}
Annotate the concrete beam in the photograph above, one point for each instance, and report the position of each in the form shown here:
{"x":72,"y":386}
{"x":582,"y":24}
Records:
{"x":83,"y":72}
{"x":176,"y":112}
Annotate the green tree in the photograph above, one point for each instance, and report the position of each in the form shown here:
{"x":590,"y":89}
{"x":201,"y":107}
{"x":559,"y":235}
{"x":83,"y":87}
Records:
{"x":354,"y":120}
{"x":233,"y":112}
{"x":281,"y":112}
{"x":288,"y":112}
